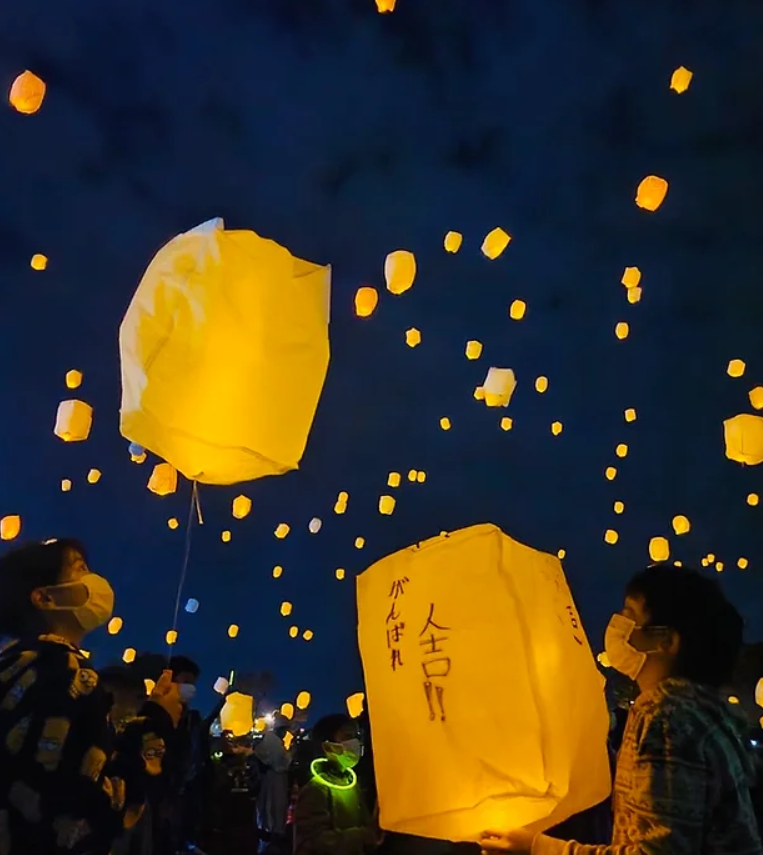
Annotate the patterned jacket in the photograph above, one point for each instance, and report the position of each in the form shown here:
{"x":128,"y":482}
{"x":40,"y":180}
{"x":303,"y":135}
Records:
{"x":683,"y":780}
{"x":68,"y":782}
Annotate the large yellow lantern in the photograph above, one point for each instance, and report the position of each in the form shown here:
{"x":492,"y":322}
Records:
{"x":224,"y":350}
{"x":73,"y":421}
{"x":27,"y":93}
{"x":471,"y":633}
{"x":237,"y":715}
{"x":651,"y":193}
{"x":366,"y":299}
{"x":400,"y":271}
{"x":744,"y":439}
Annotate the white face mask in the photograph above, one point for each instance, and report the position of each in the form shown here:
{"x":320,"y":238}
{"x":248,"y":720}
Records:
{"x":346,"y":753}
{"x":623,"y":656}
{"x":187,"y":692}
{"x":97,"y":608}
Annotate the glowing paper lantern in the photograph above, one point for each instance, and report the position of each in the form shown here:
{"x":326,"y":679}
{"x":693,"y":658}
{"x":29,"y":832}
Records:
{"x":93,"y":476}
{"x":473,"y":349}
{"x":759,"y":692}
{"x":73,"y":379}
{"x":282,"y":529}
{"x":756,"y":398}
{"x":630,"y":415}
{"x":172,"y":523}
{"x":355,"y":704}
{"x":303,"y":700}
{"x":293,"y":631}
{"x":343,"y":497}
{"x":736,"y":368}
{"x":499,"y":386}
{"x":287,"y":711}
{"x":10,"y":527}
{"x":192,"y":606}
{"x":339,"y":573}
{"x":73,"y":421}
{"x":308,"y":635}
{"x":561,"y":554}
{"x":744,"y":439}
{"x":453,"y":241}
{"x":517,"y":310}
{"x":386,"y":505}
{"x":621,"y":450}
{"x":129,"y":655}
{"x":634,"y":295}
{"x":224,"y":350}
{"x":611,"y":536}
{"x":680,"y":79}
{"x":226,"y":537}
{"x":237,"y":716}
{"x":681,"y":524}
{"x":507,"y":423}
{"x":621,"y":330}
{"x":171,"y":637}
{"x":393,"y":479}
{"x":422,"y":680}
{"x":618,"y":507}
{"x":445,"y":423}
{"x":340,"y":507}
{"x":659,"y":549}
{"x":651,"y":193}
{"x":27,"y":93}
{"x":495,"y":243}
{"x":366,"y":300}
{"x":360,"y":542}
{"x":242,"y":505}
{"x":541,"y":384}
{"x":479,"y":393}
{"x":383,"y":6}
{"x":315,"y":525}
{"x":233,"y":630}
{"x":221,"y":685}
{"x":114,"y":625}
{"x":39,"y":262}
{"x":421,"y":477}
{"x":631,"y":277}
{"x":277,"y":571}
{"x":753,"y":499}
{"x":556,"y":428}
{"x":163,"y":480}
{"x":149,"y":685}
{"x":400,"y":271}
{"x":610,"y":473}
{"x":66,"y":485}
{"x":286,"y":609}
{"x":413,"y":337}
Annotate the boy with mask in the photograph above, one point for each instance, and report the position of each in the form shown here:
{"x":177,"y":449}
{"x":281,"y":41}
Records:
{"x":68,"y":782}
{"x":684,"y":770}
{"x":330,"y":816}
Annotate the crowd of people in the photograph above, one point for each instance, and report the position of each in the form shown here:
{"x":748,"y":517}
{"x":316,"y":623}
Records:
{"x":118,"y":761}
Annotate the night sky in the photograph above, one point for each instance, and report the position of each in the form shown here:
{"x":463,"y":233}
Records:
{"x":344,"y":134}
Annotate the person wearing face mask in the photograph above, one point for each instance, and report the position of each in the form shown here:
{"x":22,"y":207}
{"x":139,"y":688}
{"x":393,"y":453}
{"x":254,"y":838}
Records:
{"x":68,"y":780}
{"x":330,"y":816}
{"x":682,"y":785}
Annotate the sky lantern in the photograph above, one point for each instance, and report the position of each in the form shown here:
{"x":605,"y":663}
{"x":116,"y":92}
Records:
{"x":630,"y":415}
{"x":27,"y":93}
{"x":611,"y":536}
{"x":495,"y":243}
{"x":386,"y":505}
{"x":356,"y":704}
{"x":412,"y":337}
{"x":753,"y":499}
{"x":631,"y":277}
{"x":282,"y":529}
{"x":192,"y":606}
{"x":237,"y":716}
{"x":445,"y":423}
{"x":659,"y":549}
{"x":242,"y":505}
{"x":277,"y":571}
{"x":73,"y":379}
{"x":226,"y":536}
{"x":499,"y":386}
{"x":681,"y":524}
{"x":93,"y":476}
{"x":413,"y":475}
{"x":517,"y":310}
{"x":74,"y":420}
{"x":315,"y":525}
{"x":680,"y":80}
{"x":421,"y":477}
{"x":286,"y":608}
{"x":115,"y":625}
{"x":541,"y":384}
{"x":479,"y":393}
{"x":610,"y":473}
{"x":171,"y":637}
{"x":192,"y":351}
{"x":303,"y":700}
{"x":399,"y":271}
{"x":366,"y":299}
{"x":744,"y":439}
{"x":618,"y":507}
{"x":66,"y":485}
{"x":736,"y":368}
{"x":339,"y":573}
{"x":634,"y":295}
{"x":393,"y":479}
{"x":360,"y":542}
{"x":556,"y":751}
{"x":221,"y":685}
{"x":507,"y":423}
{"x":287,"y":711}
{"x":453,"y":241}
{"x":129,"y":655}
{"x":756,"y":398}
{"x":308,"y":635}
{"x":383,"y":6}
{"x":233,"y":630}
{"x":163,"y":480}
{"x":556,"y":428}
{"x":340,"y":507}
{"x":172,"y":524}
{"x":651,"y":193}
{"x":621,"y":450}
{"x":473,"y":349}
{"x":622,"y":330}
{"x":39,"y":262}
{"x":10,"y":527}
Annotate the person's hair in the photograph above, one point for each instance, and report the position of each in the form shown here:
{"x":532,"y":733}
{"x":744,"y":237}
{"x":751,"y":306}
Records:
{"x":183,"y":665}
{"x":326,"y":729}
{"x":22,"y":570}
{"x":693,"y":605}
{"x":121,"y":677}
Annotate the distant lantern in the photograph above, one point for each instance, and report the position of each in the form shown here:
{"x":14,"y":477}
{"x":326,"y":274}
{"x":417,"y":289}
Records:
{"x":233,"y":630}
{"x":114,"y":625}
{"x":343,"y":497}
{"x":561,"y":554}
{"x":659,"y":549}
{"x":287,"y":710}
{"x":603,"y":660}
{"x":473,"y":349}
{"x":221,"y":685}
{"x":736,"y":368}
{"x":556,"y":428}
{"x":339,"y":573}
{"x":242,"y":505}
{"x":445,"y":423}
{"x":681,"y":524}
{"x":719,"y":566}
{"x":303,"y":700}
{"x":711,"y":557}
{"x":541,"y":384}
{"x":293,"y":631}
{"x":421,"y":477}
{"x":171,"y":637}
{"x":453,"y":241}
{"x":237,"y":715}
{"x":340,"y":507}
{"x":383,"y":6}
{"x":517,"y":310}
{"x":499,"y":386}
{"x":393,"y":479}
{"x":277,"y":571}
{"x":621,"y":450}
{"x":479,"y":393}
{"x":621,"y":330}
{"x":386,"y":505}
{"x":507,"y":423}
{"x":93,"y":476}
{"x":366,"y":300}
{"x":680,"y":79}
{"x":743,"y":563}
{"x":634,"y":295}
{"x":129,"y":655}
{"x":149,"y":685}
{"x":651,"y":193}
{"x":756,"y":398}
{"x":630,"y":415}
{"x":73,"y":421}
{"x":412,"y":475}
{"x":282,"y":529}
{"x":753,"y":499}
{"x":744,"y":439}
{"x":192,"y":606}
{"x":73,"y":379}
{"x":610,"y":473}
{"x":315,"y":525}
{"x":226,"y":536}
{"x":412,"y":337}
{"x":286,"y":608}
{"x":10,"y":527}
{"x":27,"y":93}
{"x":172,"y":523}
{"x":495,"y":243}
{"x":163,"y":480}
{"x":619,"y":507}
{"x":356,"y":704}
{"x":631,"y":277}
{"x":308,"y":635}
{"x":400,"y":271}
{"x":66,"y":485}
{"x":360,"y":542}
{"x":39,"y":262}
{"x":611,"y":536}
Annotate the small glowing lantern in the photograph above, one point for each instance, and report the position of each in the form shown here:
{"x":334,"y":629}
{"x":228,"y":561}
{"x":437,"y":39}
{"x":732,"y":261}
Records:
{"x":631,"y":277}
{"x":744,"y":439}
{"x":473,"y":349}
{"x":400,"y":271}
{"x":293,"y":631}
{"x":226,"y":536}
{"x":421,"y":477}
{"x":651,"y":192}
{"x":282,"y":529}
{"x":315,"y":525}
{"x":366,"y":299}
{"x":172,"y":523}
{"x":221,"y":685}
{"x":339,"y":573}
{"x":73,"y":421}
{"x":719,"y":566}
{"x":163,"y":480}
{"x":171,"y":637}
{"x":610,"y":473}
{"x":287,"y":711}
{"x":27,"y":93}
{"x":10,"y":527}
{"x":412,"y":475}
{"x":340,"y":507}
{"x":192,"y":606}
{"x":303,"y":700}
{"x":736,"y":368}
{"x":681,"y":524}
{"x":680,"y":79}
{"x":499,"y":386}
{"x":479,"y":393}
{"x":356,"y":704}
{"x":393,"y":479}
{"x":343,"y":497}
{"x":386,"y":505}
{"x":756,"y":398}
{"x":622,"y":450}
{"x":308,"y":635}
{"x":66,"y":485}
{"x":412,"y":337}
{"x":129,"y":655}
{"x":73,"y":379}
{"x":630,"y":415}
{"x":495,"y":243}
{"x":556,"y":428}
{"x":93,"y":476}
{"x":237,"y":716}
{"x":39,"y":262}
{"x":517,"y":310}
{"x":634,"y":295}
{"x":753,"y":499}
{"x":233,"y":630}
{"x":611,"y":536}
{"x":360,"y":542}
{"x":561,"y":554}
{"x":453,"y":241}
{"x":286,"y":608}
{"x":149,"y":685}
{"x":507,"y":423}
{"x":621,"y":330}
{"x":659,"y":549}
{"x":619,"y":507}
{"x":711,"y":557}
{"x":277,"y":571}
{"x":114,"y":625}
{"x":541,"y":384}
{"x":445,"y":423}
{"x":383,"y":6}
{"x":242,"y":505}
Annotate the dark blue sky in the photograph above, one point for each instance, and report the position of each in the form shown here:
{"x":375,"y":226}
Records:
{"x":344,"y":134}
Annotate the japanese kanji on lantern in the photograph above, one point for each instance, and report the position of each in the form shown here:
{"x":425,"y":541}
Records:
{"x":480,"y":683}
{"x":224,"y":351}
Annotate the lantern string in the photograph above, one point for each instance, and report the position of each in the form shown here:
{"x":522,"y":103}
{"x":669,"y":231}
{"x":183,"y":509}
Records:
{"x":195,"y":506}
